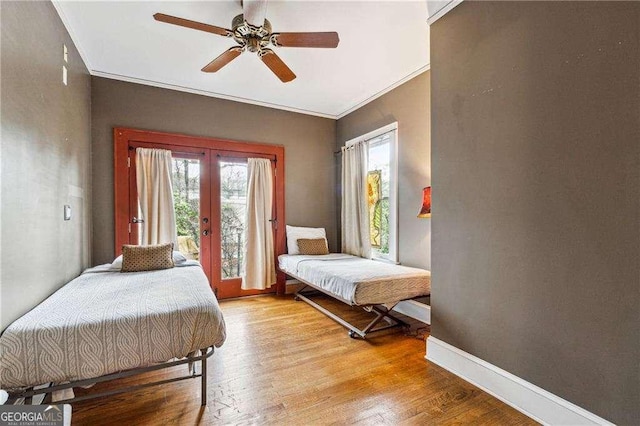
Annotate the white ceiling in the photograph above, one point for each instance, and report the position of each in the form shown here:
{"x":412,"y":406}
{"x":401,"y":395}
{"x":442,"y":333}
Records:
{"x":382,"y":44}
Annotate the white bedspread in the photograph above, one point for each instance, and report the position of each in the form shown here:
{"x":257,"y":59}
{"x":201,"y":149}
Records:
{"x":105,"y":321}
{"x":358,"y":281}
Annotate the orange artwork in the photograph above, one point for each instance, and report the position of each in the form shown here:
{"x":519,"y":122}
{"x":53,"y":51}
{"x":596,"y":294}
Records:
{"x":374,"y":192}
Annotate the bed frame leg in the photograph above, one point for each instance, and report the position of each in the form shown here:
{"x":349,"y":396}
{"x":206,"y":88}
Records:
{"x":203,"y":378}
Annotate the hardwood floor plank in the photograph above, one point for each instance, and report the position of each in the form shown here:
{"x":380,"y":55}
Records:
{"x":284,"y":363}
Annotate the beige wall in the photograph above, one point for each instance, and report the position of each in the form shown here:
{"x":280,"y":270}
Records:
{"x":45,"y":158}
{"x":407,"y":104}
{"x":536,"y":161}
{"x":308,"y":141}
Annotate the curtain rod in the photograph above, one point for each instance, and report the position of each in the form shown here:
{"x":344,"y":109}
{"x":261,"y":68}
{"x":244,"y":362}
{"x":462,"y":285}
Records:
{"x":345,"y":147}
{"x":189,"y":153}
{"x":131,"y":148}
{"x":245,"y":158}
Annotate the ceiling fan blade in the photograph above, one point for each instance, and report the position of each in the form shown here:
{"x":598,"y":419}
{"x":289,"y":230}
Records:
{"x":276,"y":65}
{"x":254,"y":11}
{"x":326,"y":39}
{"x":223,"y":59}
{"x":192,"y":24}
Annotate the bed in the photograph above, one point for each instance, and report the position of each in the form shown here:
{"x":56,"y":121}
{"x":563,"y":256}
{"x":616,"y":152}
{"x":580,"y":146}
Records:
{"x":375,"y":285}
{"x":105,"y":325}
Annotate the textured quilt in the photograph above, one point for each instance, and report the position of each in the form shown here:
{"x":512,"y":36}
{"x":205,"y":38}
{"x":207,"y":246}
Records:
{"x":359,"y":281}
{"x":104,"y":321}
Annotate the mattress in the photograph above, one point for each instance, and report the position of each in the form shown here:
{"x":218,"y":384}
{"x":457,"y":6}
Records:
{"x":358,"y":281}
{"x":105,"y":321}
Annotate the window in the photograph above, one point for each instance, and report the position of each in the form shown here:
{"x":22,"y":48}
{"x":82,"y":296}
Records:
{"x":382,"y":188}
{"x":185,"y":179}
{"x":233,"y":205}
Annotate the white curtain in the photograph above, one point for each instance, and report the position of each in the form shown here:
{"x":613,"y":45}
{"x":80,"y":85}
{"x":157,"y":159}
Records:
{"x":259,"y":261}
{"x":355,"y":211}
{"x":155,"y":194}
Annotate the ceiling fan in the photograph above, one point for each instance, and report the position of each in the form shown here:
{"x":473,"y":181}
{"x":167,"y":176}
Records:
{"x":253,"y":33}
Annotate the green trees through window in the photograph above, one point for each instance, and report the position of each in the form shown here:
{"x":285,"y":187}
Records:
{"x":185,"y":180}
{"x":233,"y":202}
{"x":186,"y":197}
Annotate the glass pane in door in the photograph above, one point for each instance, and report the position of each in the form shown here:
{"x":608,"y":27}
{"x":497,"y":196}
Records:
{"x":185,"y":179}
{"x":233,"y":202}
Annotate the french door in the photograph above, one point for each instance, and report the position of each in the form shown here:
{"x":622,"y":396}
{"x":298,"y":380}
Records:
{"x":209,"y":178}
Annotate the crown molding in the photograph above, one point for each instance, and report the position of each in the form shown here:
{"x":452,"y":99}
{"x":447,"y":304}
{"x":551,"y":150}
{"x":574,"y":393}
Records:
{"x":207,"y":93}
{"x":442,"y":11}
{"x":384,"y":91}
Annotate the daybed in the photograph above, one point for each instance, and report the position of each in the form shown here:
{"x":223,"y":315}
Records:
{"x":375,"y":285}
{"x":105,"y":325}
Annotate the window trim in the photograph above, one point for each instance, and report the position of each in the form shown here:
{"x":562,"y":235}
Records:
{"x":392,"y":257}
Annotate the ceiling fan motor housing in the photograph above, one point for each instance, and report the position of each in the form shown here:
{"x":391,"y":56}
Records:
{"x":249,"y":36}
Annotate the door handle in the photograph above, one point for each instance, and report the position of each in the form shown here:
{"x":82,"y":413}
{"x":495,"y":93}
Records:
{"x":137,"y":220}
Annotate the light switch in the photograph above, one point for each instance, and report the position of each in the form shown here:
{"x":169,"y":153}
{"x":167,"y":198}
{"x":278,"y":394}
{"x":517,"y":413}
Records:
{"x":67,"y":212}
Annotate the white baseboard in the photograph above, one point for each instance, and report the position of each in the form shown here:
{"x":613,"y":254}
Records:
{"x":416,"y":310}
{"x":533,"y":401}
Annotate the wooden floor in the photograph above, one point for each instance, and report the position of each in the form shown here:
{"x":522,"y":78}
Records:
{"x":286,"y":363}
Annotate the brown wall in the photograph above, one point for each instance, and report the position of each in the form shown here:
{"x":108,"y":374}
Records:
{"x":45,"y":157}
{"x":407,"y":104}
{"x":536,"y":149}
{"x":308,"y":141}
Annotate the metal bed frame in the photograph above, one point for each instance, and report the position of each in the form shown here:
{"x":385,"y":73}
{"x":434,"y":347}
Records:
{"x":29,"y":393}
{"x":381,"y":311}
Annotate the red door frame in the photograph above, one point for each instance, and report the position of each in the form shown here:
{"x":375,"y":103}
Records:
{"x":126,"y":137}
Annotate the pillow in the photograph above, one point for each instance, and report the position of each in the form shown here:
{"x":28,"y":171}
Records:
{"x":178,"y":259}
{"x":294,"y":233}
{"x":147,"y":258}
{"x":313,"y":246}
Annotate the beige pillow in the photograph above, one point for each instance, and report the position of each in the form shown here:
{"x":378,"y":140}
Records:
{"x":147,"y":258}
{"x":313,"y":246}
